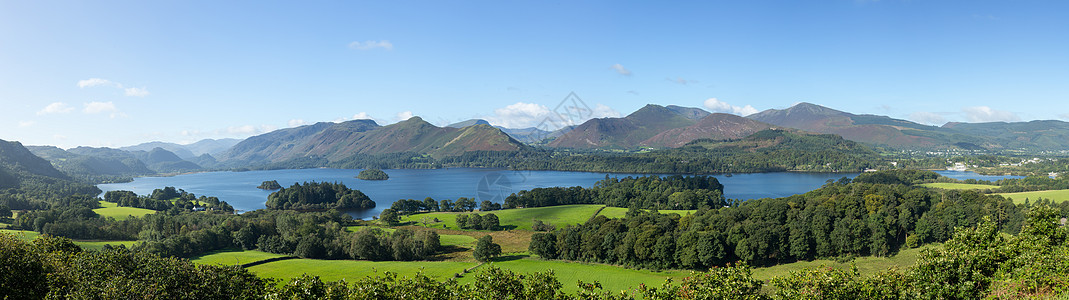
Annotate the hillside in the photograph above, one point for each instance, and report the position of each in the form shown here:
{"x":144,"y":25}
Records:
{"x":82,"y":166}
{"x":188,"y":151}
{"x":1042,"y":135}
{"x":716,"y":126}
{"x":872,"y":129}
{"x":34,"y":177}
{"x":336,"y":142}
{"x":627,"y":132}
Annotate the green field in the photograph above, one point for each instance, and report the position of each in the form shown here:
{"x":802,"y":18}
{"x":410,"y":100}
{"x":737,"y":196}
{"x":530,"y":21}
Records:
{"x":866,"y":265}
{"x":620,"y":212}
{"x":1055,"y":195}
{"x":332,"y":270}
{"x":959,"y":186}
{"x":612,"y":278}
{"x":445,"y":239}
{"x":111,"y":209}
{"x":88,"y":245}
{"x":520,"y":218}
{"x":233,"y":257}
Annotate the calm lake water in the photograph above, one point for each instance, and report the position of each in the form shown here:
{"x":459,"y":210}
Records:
{"x":239,"y":188}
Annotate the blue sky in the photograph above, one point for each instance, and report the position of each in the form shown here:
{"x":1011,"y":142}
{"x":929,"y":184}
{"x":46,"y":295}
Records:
{"x":116,"y":73}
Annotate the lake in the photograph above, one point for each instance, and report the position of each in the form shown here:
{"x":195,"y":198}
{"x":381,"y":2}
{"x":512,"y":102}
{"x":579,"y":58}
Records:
{"x":239,"y":188}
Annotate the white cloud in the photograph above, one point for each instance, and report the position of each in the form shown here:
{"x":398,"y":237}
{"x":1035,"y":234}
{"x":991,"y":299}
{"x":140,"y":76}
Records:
{"x":603,"y":111}
{"x":248,"y":129}
{"x":620,"y":69}
{"x":1064,"y":116}
{"x":368,"y":45}
{"x":519,"y":115}
{"x":91,"y":82}
{"x":136,"y":92}
{"x":981,"y":114}
{"x":362,"y":116}
{"x":56,"y":108}
{"x":523,"y":115}
{"x":404,"y":115}
{"x":23,"y":124}
{"x":682,"y":81}
{"x":296,"y":122}
{"x":130,"y":92}
{"x":929,"y":118}
{"x":99,"y":107}
{"x":716,"y":105}
{"x":633,"y":92}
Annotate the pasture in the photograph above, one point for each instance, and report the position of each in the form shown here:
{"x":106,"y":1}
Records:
{"x":959,"y":186}
{"x":612,"y":278}
{"x":350,"y":270}
{"x":1057,"y":196}
{"x":113,"y":210}
{"x":232,"y":257}
{"x":519,"y":218}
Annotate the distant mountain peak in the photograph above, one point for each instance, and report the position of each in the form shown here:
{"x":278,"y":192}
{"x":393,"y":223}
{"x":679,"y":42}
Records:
{"x":467,"y":123}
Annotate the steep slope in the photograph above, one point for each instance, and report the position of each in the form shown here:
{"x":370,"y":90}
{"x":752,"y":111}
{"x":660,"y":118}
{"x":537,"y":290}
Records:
{"x":335,"y":142}
{"x":692,"y":113}
{"x":715,"y":126}
{"x":35,"y":178}
{"x":626,"y":132}
{"x":83,"y":166}
{"x":879,"y":130}
{"x":467,"y":123}
{"x":179,"y":150}
{"x":1041,"y":135}
{"x":163,"y":161}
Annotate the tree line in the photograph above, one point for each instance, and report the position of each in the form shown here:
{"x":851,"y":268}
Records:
{"x":319,"y":196}
{"x":875,"y":214}
{"x":670,"y":192}
{"x":976,"y":262}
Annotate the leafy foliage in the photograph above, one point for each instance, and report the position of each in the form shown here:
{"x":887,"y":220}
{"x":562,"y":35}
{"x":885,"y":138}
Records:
{"x":373,"y":174}
{"x":323,"y":195}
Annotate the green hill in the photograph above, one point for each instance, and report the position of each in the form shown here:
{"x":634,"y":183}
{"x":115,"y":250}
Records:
{"x":626,"y":132}
{"x":332,"y":142}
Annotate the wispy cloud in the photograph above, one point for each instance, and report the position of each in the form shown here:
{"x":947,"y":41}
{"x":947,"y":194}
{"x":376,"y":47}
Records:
{"x":981,"y":114}
{"x":716,"y":105}
{"x":92,"y":82}
{"x":633,"y":92}
{"x":248,"y":129}
{"x":362,"y":116}
{"x":103,"y":107}
{"x":55,"y":108}
{"x":680,"y":80}
{"x":404,"y":115}
{"x":368,"y":45}
{"x":929,"y":118}
{"x":296,"y":122}
{"x":620,"y":69}
{"x":136,"y":92}
{"x":130,"y":92}
{"x":1064,"y":116}
{"x":523,"y":115}
{"x":24,"y":124}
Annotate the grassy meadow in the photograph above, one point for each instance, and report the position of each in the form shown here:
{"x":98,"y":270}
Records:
{"x":1054,"y":195}
{"x":865,"y":265}
{"x":612,"y":278}
{"x":232,"y":257}
{"x":520,"y":218}
{"x":88,"y":245}
{"x":620,"y":212}
{"x":113,"y":210}
{"x":959,"y":186}
{"x":351,"y":270}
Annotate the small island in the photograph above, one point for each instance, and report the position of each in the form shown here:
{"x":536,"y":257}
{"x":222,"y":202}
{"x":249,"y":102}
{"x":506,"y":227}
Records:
{"x":270,"y":185}
{"x":373,"y":174}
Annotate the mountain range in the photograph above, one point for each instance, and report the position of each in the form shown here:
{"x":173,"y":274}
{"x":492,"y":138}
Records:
{"x":339,"y":141}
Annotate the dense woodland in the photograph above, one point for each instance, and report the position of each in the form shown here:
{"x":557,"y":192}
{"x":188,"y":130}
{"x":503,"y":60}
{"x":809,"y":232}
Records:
{"x":875,"y":214}
{"x":319,"y":195}
{"x":974,"y":263}
{"x":670,"y":192}
{"x":373,"y":174}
